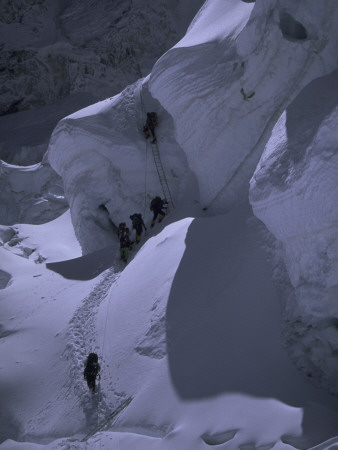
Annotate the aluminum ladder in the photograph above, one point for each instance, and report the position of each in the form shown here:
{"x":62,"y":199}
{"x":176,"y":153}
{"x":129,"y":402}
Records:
{"x":161,"y":173}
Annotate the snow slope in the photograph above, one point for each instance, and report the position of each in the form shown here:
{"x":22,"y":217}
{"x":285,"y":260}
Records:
{"x":194,"y":340}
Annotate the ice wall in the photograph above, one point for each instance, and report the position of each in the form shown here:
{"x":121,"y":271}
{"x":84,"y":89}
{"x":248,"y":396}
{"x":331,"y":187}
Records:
{"x":107,"y":165}
{"x":229,"y":79}
{"x":218,"y":93}
{"x":294,"y":192}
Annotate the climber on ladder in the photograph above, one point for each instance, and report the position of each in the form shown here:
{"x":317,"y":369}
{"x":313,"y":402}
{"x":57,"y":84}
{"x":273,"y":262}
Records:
{"x":149,"y":127}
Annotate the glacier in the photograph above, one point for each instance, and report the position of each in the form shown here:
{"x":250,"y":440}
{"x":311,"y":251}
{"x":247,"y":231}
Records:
{"x":190,"y":328}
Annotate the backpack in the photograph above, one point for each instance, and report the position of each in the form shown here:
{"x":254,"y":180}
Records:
{"x":155,"y":202}
{"x":136,"y":220}
{"x":92,"y":366}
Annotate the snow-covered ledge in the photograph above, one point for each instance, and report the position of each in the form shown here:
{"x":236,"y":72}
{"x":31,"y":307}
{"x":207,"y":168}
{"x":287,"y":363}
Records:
{"x":294,"y":192}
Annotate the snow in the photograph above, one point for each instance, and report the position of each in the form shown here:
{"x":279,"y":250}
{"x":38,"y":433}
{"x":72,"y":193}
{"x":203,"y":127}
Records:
{"x":216,"y":21}
{"x":194,"y":334}
{"x":188,"y":336}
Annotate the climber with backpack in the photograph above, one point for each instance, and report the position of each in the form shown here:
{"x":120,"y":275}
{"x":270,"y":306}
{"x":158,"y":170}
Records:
{"x":91,"y":371}
{"x":157,"y":206}
{"x":138,"y":225}
{"x":151,"y":123}
{"x":125,"y":244}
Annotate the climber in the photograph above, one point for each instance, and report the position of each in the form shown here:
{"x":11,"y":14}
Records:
{"x":150,"y":125}
{"x":92,"y":369}
{"x":157,"y":206}
{"x":138,"y":224}
{"x":121,"y":229}
{"x":125,"y":244}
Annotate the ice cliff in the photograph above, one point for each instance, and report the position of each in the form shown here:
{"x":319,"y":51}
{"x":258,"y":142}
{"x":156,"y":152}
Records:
{"x":246,"y":78}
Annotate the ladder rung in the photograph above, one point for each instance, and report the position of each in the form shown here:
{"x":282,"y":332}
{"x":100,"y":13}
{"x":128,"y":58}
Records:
{"x":161,"y":173}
